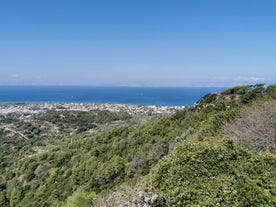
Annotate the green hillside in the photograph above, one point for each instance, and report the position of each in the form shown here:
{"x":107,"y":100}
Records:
{"x":220,"y":152}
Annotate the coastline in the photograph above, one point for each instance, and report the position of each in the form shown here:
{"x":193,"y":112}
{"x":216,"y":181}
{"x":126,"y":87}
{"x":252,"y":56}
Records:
{"x":28,"y":109}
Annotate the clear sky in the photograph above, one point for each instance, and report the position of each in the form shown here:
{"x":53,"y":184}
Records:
{"x":137,"y":42}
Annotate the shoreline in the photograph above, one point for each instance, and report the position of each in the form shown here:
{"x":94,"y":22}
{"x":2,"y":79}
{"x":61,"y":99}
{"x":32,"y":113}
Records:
{"x":27,"y":109}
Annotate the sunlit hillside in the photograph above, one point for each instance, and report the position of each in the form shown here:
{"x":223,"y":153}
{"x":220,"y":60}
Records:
{"x":219,"y":152}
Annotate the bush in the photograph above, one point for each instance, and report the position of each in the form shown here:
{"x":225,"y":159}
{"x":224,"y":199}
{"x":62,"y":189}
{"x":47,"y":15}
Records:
{"x":215,"y":173}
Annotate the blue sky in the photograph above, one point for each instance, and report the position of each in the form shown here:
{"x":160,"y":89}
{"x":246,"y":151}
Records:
{"x":137,"y":42}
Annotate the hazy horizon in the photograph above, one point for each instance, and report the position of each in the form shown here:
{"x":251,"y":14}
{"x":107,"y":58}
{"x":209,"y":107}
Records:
{"x":128,"y":86}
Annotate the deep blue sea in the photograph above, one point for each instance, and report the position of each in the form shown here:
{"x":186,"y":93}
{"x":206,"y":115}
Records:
{"x":167,"y":96}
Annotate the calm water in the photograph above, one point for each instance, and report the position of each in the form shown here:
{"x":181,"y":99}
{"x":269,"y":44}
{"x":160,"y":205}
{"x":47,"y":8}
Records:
{"x":170,"y":96}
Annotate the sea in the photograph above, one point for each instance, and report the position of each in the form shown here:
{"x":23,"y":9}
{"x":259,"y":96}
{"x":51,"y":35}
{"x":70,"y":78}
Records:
{"x":160,"y":96}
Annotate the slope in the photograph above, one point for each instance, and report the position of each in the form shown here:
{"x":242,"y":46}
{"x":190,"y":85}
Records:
{"x":184,"y":158}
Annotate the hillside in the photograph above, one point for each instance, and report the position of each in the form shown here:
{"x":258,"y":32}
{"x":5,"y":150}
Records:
{"x":220,"y":152}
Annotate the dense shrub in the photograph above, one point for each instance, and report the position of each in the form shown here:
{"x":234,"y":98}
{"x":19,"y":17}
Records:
{"x":183,"y":156}
{"x":215,"y":173}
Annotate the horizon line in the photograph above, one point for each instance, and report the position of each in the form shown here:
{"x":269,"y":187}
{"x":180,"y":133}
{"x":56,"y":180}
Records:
{"x":110,"y":85}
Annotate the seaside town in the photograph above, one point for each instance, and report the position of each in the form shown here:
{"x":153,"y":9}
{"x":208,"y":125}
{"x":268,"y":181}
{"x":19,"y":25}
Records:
{"x":28,"y":109}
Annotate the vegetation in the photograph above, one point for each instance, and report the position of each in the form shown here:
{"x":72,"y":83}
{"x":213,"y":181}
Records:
{"x":215,"y":173}
{"x":190,"y":158}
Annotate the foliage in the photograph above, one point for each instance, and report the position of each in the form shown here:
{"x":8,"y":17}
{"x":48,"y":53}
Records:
{"x":81,"y":120}
{"x":215,"y":173}
{"x":271,"y":91}
{"x":183,"y":156}
{"x":243,"y":90}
